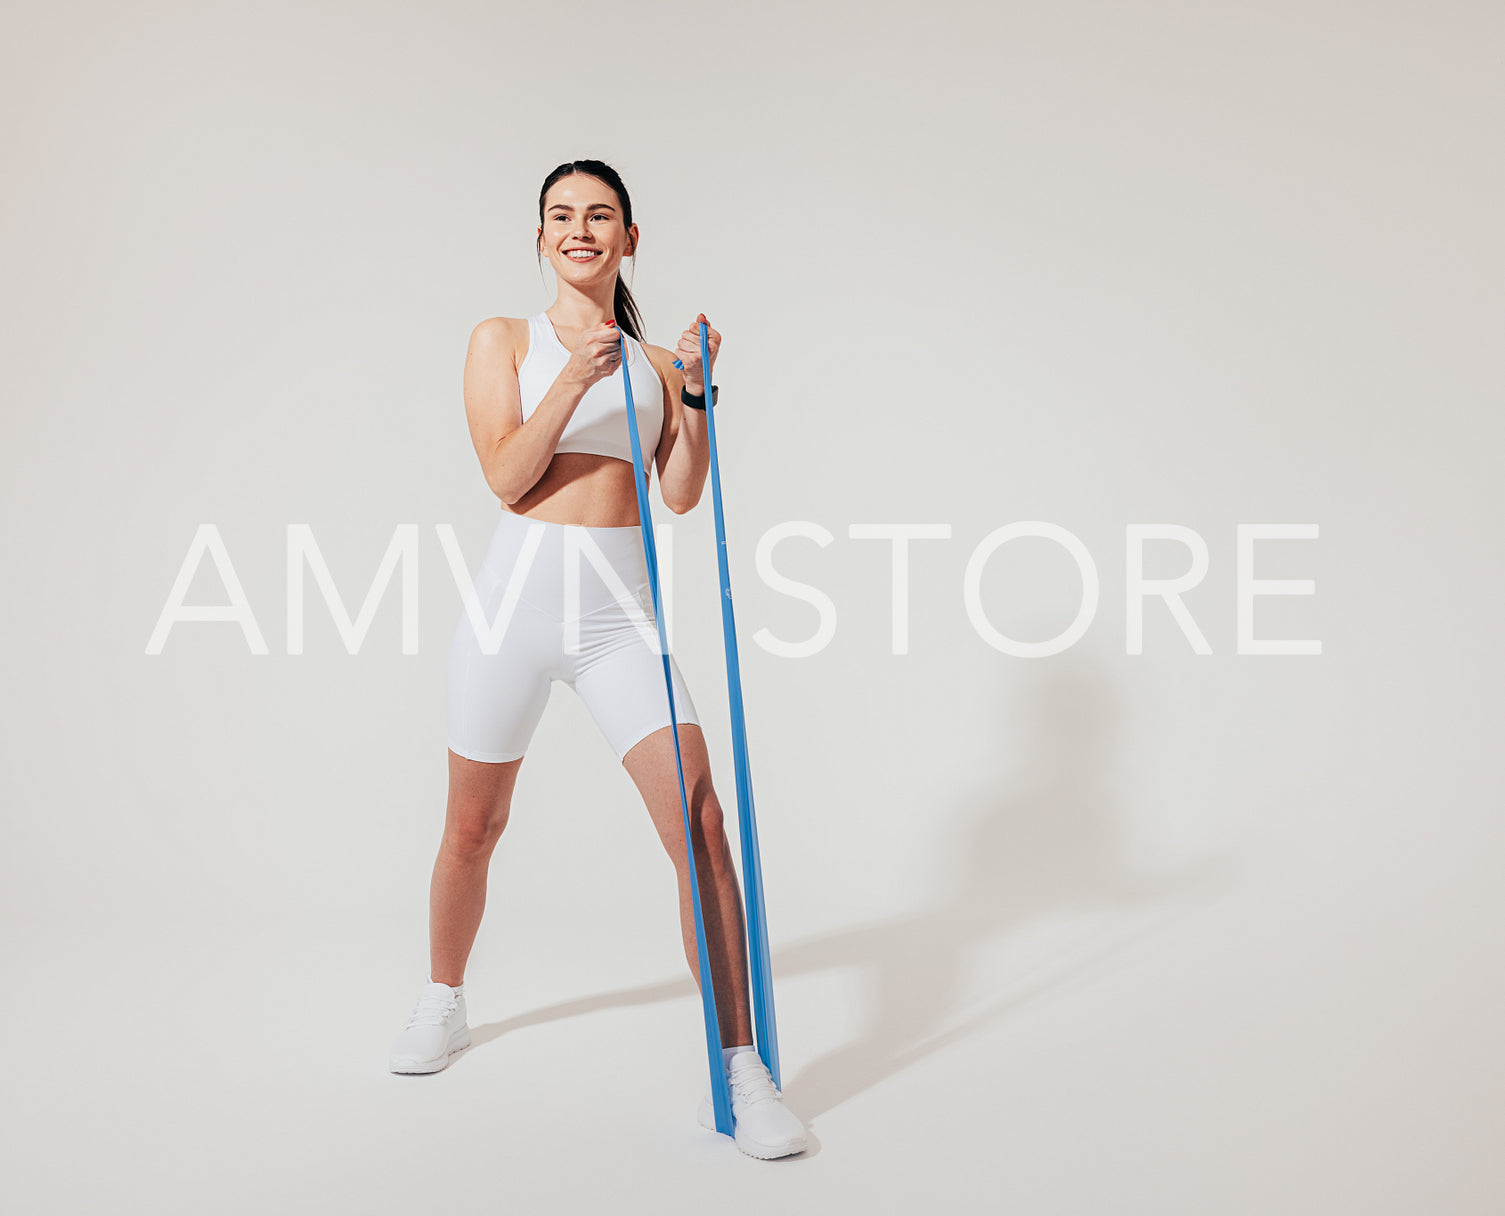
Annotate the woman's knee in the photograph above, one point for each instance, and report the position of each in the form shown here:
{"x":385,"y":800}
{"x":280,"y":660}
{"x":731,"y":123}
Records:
{"x":480,"y":801}
{"x":474,"y":834}
{"x":707,"y":823}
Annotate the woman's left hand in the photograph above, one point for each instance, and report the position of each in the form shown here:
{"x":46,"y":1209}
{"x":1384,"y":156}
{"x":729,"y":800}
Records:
{"x":688,"y":352}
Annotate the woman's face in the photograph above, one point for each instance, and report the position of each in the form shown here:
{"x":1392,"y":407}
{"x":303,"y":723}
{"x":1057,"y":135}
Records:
{"x":582,"y":234}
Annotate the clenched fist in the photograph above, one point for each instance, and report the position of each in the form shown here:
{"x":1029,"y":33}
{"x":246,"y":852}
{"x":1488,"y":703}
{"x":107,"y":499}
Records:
{"x":688,"y":351}
{"x":597,"y":354}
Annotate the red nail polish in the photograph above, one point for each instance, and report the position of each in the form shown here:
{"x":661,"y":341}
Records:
{"x":611,"y":322}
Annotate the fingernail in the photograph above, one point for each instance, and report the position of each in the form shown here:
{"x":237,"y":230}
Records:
{"x":611,"y":322}
{"x":679,"y":365}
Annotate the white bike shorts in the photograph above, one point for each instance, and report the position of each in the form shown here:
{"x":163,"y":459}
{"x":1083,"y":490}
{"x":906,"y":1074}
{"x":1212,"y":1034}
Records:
{"x":558,"y":602}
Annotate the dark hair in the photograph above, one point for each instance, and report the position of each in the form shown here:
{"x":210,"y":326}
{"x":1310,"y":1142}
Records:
{"x":623,"y":305}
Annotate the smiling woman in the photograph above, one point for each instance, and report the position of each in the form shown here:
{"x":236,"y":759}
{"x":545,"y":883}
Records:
{"x":582,"y":202}
{"x":539,"y":440}
{"x":547,"y":413}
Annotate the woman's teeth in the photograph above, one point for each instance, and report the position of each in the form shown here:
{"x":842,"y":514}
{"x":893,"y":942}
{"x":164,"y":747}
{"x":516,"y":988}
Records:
{"x":582,"y":255}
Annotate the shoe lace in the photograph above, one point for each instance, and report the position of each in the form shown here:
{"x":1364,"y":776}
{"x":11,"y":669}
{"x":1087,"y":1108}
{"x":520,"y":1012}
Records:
{"x":753,"y":1084}
{"x":433,"y":1009}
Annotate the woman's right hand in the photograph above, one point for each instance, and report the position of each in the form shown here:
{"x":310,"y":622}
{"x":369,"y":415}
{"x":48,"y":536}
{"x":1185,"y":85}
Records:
{"x":597,"y":354}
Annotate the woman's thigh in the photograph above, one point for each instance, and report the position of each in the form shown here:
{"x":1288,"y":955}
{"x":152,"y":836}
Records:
{"x":498,"y":678}
{"x":650,"y":763}
{"x":619,"y":674}
{"x":480,"y":800}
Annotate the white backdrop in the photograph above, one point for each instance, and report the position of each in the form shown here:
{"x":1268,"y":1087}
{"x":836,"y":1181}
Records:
{"x":1094,"y":932}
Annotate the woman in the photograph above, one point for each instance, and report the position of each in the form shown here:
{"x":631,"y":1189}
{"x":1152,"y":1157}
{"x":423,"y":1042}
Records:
{"x":565,"y":580}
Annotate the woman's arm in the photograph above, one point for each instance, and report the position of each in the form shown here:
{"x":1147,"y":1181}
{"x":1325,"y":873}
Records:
{"x":514,"y":454}
{"x":683,"y":455}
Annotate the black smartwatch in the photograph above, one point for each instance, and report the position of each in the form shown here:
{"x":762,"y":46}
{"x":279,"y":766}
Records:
{"x":698,"y":402}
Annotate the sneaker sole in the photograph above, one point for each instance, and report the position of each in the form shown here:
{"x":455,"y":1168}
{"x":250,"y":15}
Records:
{"x":706,"y":1114}
{"x":420,"y":1067}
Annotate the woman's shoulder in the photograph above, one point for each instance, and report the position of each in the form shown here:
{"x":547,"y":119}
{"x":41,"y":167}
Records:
{"x":493,"y":327}
{"x":500,"y":337}
{"x":662,"y":360}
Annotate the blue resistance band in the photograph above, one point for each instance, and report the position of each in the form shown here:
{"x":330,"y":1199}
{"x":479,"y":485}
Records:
{"x":764,"y":1025}
{"x":721,"y":1099}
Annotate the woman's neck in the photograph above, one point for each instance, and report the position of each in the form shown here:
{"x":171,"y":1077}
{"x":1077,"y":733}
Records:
{"x":574,"y":308}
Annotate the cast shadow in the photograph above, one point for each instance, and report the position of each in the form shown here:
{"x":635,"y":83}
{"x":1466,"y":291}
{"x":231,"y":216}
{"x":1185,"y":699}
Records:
{"x":1038,"y":836}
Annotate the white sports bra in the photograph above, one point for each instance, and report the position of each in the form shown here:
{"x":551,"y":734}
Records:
{"x":599,"y":423}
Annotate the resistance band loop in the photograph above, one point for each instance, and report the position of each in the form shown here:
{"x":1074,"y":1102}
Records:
{"x":752,"y":867}
{"x":720,"y":1094}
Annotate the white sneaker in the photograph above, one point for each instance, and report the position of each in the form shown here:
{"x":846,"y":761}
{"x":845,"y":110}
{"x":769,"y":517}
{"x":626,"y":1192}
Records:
{"x":435,"y":1031}
{"x":762,"y":1125}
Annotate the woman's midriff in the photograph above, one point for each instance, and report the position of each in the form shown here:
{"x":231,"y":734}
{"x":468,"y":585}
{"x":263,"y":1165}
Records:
{"x":583,"y":489}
